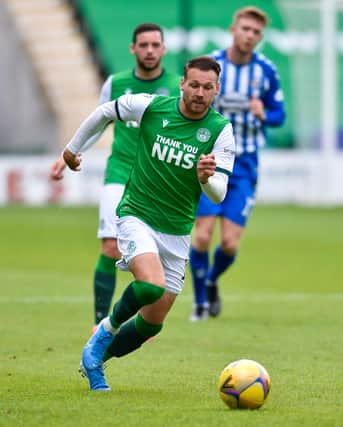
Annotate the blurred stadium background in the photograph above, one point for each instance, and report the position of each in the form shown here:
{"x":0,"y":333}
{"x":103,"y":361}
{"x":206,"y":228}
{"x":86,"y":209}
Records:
{"x":56,"y":54}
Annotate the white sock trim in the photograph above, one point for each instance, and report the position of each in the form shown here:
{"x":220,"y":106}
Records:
{"x":108,"y":326}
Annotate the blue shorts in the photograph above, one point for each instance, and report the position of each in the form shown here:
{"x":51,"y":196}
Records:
{"x":237,"y":205}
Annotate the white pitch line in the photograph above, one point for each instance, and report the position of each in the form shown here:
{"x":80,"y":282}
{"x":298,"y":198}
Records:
{"x":234,"y":297}
{"x":44,"y":299}
{"x":275,"y":297}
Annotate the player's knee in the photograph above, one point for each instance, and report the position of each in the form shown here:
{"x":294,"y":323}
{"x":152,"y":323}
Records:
{"x":110,"y":248}
{"x":230,"y":246}
{"x":202,"y":241}
{"x":147,"y":293}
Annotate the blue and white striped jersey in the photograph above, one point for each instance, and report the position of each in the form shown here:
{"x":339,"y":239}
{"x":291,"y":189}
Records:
{"x":239,"y":84}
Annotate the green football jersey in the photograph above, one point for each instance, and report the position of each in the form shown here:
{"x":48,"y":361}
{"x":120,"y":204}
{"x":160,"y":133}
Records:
{"x":163,"y":189}
{"x":124,"y":145}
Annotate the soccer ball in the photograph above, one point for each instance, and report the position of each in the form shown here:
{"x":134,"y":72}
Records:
{"x":244,"y":384}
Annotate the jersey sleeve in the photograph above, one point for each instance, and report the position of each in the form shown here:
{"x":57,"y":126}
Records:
{"x":216,"y":187}
{"x":131,"y":107}
{"x":274,"y":101}
{"x":105,"y":96}
{"x":106,"y":91}
{"x":224,"y":150}
{"x":224,"y":153}
{"x":126,"y":108}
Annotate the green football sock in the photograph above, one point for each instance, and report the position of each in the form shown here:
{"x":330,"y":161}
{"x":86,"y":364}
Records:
{"x":131,"y":336}
{"x":135,"y":296}
{"x":104,"y":285}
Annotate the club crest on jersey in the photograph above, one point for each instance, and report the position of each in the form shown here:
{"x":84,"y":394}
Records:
{"x":165,"y":123}
{"x":163,"y":91}
{"x":203,"y":135}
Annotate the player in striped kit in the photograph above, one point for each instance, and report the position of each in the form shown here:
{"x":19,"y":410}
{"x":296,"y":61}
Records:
{"x":251,"y":97}
{"x":149,"y":77}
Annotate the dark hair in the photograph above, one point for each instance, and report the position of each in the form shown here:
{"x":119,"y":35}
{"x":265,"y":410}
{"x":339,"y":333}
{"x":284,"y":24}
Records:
{"x":143,"y":28}
{"x":203,"y":63}
{"x":251,"y":12}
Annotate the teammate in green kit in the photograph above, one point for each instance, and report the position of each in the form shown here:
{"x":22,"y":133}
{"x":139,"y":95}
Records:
{"x":148,"y":77}
{"x":184,"y":147}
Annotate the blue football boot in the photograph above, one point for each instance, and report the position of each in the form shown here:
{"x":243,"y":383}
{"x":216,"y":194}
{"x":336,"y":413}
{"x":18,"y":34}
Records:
{"x":92,"y":355}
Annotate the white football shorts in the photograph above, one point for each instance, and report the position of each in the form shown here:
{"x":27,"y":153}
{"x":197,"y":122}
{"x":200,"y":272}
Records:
{"x":137,"y":238}
{"x":110,"y":195}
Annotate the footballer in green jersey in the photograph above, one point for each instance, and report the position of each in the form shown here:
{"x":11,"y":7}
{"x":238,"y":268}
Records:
{"x":184,"y":147}
{"x":164,"y":190}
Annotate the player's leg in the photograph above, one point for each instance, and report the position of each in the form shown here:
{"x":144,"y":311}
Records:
{"x":141,"y":254}
{"x":224,"y":256}
{"x":225,"y":253}
{"x":148,"y":287}
{"x":201,"y":240}
{"x":136,"y":331}
{"x":237,"y":207}
{"x":105,"y":278}
{"x":105,"y":270}
{"x":173,"y":254}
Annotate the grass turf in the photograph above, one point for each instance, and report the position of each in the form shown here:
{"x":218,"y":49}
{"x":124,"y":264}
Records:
{"x":282,"y":305}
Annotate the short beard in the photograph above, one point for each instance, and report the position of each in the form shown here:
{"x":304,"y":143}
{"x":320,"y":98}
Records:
{"x":145,"y":68}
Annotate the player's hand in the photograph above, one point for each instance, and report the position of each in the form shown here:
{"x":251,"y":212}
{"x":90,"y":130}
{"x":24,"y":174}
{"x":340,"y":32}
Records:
{"x":57,"y":168}
{"x":206,"y":167}
{"x":73,"y":161}
{"x":257,"y":108}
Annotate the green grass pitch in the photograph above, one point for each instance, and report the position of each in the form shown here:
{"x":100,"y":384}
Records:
{"x":282,"y":306}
